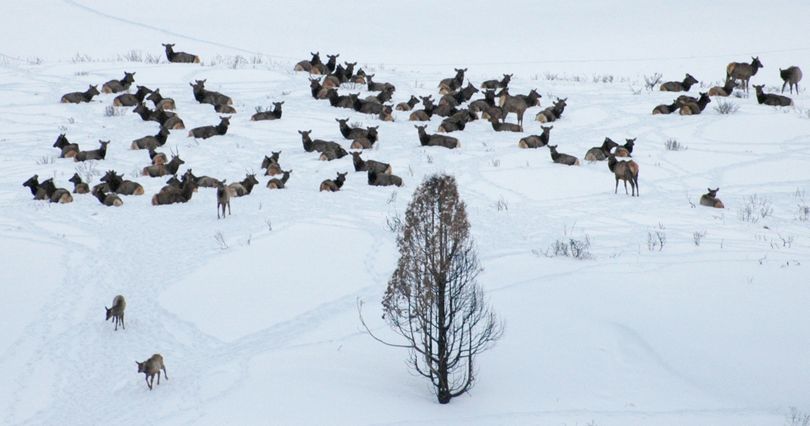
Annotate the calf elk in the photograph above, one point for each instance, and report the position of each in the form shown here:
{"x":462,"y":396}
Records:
{"x":568,"y":160}
{"x":626,"y":171}
{"x":710,"y":199}
{"x":116,"y":312}
{"x":79,"y":97}
{"x":771,"y":98}
{"x":180,"y":57}
{"x":151,"y":367}
{"x":679,"y":86}
{"x":116,"y":86}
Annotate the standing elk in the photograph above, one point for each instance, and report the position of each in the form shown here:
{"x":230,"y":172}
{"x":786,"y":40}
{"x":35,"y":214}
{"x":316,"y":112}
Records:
{"x":223,"y":198}
{"x":626,"y":171}
{"x":743,"y":71}
{"x":519,"y":104}
{"x":792,"y":76}
{"x":116,"y":312}
{"x":152,"y":367}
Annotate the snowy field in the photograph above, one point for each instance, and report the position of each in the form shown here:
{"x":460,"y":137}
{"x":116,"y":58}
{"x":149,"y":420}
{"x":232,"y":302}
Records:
{"x":256,"y":315}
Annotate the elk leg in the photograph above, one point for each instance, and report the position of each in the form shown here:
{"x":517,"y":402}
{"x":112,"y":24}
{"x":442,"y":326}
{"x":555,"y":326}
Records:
{"x":229,"y":209}
{"x":122,"y":322}
{"x":616,"y":189}
{"x":785,"y":84}
{"x":147,"y":382}
{"x":625,"y":186}
{"x":638,"y":193}
{"x":166,"y":376}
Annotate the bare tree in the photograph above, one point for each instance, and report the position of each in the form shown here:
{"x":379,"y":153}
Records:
{"x":432,"y":299}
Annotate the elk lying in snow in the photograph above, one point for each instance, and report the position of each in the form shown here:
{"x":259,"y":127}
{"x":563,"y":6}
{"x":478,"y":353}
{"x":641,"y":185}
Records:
{"x":480,"y":105}
{"x":151,"y":142}
{"x":367,"y":107}
{"x":771,"y":98}
{"x":116,"y":183}
{"x":68,"y":150}
{"x":93,"y":154}
{"x":152,"y":367}
{"x":504,"y":126}
{"x":457,"y":121}
{"x":160,"y":102}
{"x":425,"y":113}
{"x":599,"y":153}
{"x":240,"y":189}
{"x":333,"y":185}
{"x":167,"y":119}
{"x":46,"y":190}
{"x":317,"y":90}
{"x":667,"y":109}
{"x":223,"y":198}
{"x":321,"y":146}
{"x":310,"y":66}
{"x":449,"y":85}
{"x":116,"y":312}
{"x":792,"y":76}
{"x":171,"y":194}
{"x":359,"y":77}
{"x":275,"y":114}
{"x":495,"y":84}
{"x":519,"y":104}
{"x":679,"y":86}
{"x":690,"y":107}
{"x":339,"y":101}
{"x":204,"y":96}
{"x":277,"y":183}
{"x":459,"y":97}
{"x":552,"y":113}
{"x":626,"y":171}
{"x":158,"y":170}
{"x":108,"y":199}
{"x":206,"y":132}
{"x":200,"y":181}
{"x":179,"y":57}
{"x":128,"y":99}
{"x":566,"y":159}
{"x":407,"y":106}
{"x":710,"y":199}
{"x":367,"y":141}
{"x":743,"y":71}
{"x":382,"y":179}
{"x":724,"y":90}
{"x":387,"y":113}
{"x":79,"y":97}
{"x":79,"y":187}
{"x":330,"y":64}
{"x":116,"y":86}
{"x":626,"y":149}
{"x":436,"y":139}
{"x":361,"y":165}
{"x":373,"y":86}
{"x":270,"y":164}
{"x":536,"y":141}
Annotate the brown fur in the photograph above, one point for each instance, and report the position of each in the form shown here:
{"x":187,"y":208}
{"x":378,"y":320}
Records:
{"x":152,"y":367}
{"x":626,"y":171}
{"x":116,"y":312}
{"x":710,"y":199}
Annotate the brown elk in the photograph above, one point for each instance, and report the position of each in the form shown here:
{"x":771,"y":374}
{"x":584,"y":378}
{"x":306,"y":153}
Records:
{"x":116,"y":86}
{"x":54,"y":194}
{"x":320,"y":145}
{"x":536,"y":141}
{"x":725,"y":89}
{"x":277,"y":183}
{"x":495,"y":84}
{"x":93,"y":154}
{"x":275,"y":114}
{"x":223,"y":198}
{"x":128,"y":99}
{"x":382,"y":179}
{"x":435,"y":139}
{"x":792,"y":76}
{"x":79,"y":97}
{"x":317,"y":90}
{"x":169,"y":168}
{"x":743,"y":71}
{"x":270,"y":164}
{"x":37,"y":190}
{"x":519,"y":104}
{"x":679,"y":86}
{"x":116,"y":183}
{"x":449,"y":85}
{"x":552,"y":113}
{"x":457,"y":121}
{"x":407,"y":106}
{"x":599,"y":153}
{"x":710,"y":199}
{"x":160,"y":102}
{"x":626,"y":149}
{"x":205,"y":132}
{"x":626,"y":171}
{"x":425,"y":113}
{"x":108,"y":199}
{"x":240,"y":189}
{"x":499,"y":126}
{"x":152,"y":367}
{"x":333,"y":185}
{"x":68,"y":150}
{"x":568,"y":160}
{"x":310,"y":65}
{"x":116,"y":312}
{"x":667,"y":109}
{"x":771,"y":98}
{"x":688,"y":107}
{"x":171,"y":194}
{"x":79,"y":187}
{"x":361,"y":165}
{"x":151,"y":142}
{"x":179,"y":57}
{"x":204,"y":96}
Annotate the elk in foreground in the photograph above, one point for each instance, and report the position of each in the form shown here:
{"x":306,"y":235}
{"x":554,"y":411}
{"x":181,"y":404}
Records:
{"x":449,"y":85}
{"x":743,"y":71}
{"x":333,"y":185}
{"x":688,"y":107}
{"x":160,"y":102}
{"x":205,"y":132}
{"x":36,"y":190}
{"x":330,"y":64}
{"x":626,"y":171}
{"x":93,"y":154}
{"x":407,"y":106}
{"x":536,"y":141}
{"x":277,"y":183}
{"x":152,"y":367}
{"x":626,"y":149}
{"x":116,"y":86}
{"x":116,"y":312}
{"x":317,"y":90}
{"x":710,"y":199}
{"x":275,"y":114}
{"x":387,"y":113}
{"x":791,"y":76}
{"x":68,"y":150}
{"x":679,"y":86}
{"x":223,"y":198}
{"x":169,"y":168}
{"x":129,"y":99}
{"x":725,"y":89}
{"x":171,"y":194}
{"x":552,"y":113}
{"x":495,"y":84}
{"x":559,"y":158}
{"x":361,"y":165}
{"x":376,"y":178}
{"x":116,"y":183}
{"x":180,"y":57}
{"x":79,"y":187}
{"x":109,"y":200}
{"x":79,"y":97}
{"x":599,"y":153}
{"x":435,"y":139}
{"x":54,"y":194}
{"x":151,"y":142}
{"x":240,"y":189}
{"x":771,"y":98}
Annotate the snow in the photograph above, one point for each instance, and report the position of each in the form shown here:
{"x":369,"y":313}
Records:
{"x":266,"y":329}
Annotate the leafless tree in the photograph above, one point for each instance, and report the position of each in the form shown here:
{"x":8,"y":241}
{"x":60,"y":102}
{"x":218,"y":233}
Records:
{"x":432,"y":300}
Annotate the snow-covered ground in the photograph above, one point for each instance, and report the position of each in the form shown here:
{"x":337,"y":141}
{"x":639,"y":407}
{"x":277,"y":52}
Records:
{"x":262,"y":327}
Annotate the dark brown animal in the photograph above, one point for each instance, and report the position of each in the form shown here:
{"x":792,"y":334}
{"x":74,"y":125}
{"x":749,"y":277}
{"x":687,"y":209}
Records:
{"x":688,"y":107}
{"x":171,"y":194}
{"x":626,"y":149}
{"x":495,"y":84}
{"x":180,"y":57}
{"x":275,"y":114}
{"x":626,"y":171}
{"x":710,"y":199}
{"x":679,"y":86}
{"x":599,"y":153}
{"x":361,"y":165}
{"x":37,"y":190}
{"x":68,"y":150}
{"x":792,"y":76}
{"x":333,"y":185}
{"x":382,"y":179}
{"x":93,"y":154}
{"x":320,"y":145}
{"x":223,"y":198}
{"x":169,"y":168}
{"x":667,"y":109}
{"x":160,"y":102}
{"x":449,"y":85}
{"x":552,"y":113}
{"x":79,"y":187}
{"x":151,"y":142}
{"x":108,"y":199}
{"x":742,"y":71}
{"x":277,"y":183}
{"x":116,"y":312}
{"x":240,"y":189}
{"x":771,"y":98}
{"x":128,"y":99}
{"x":435,"y":139}
{"x":407,"y":106}
{"x":116,"y":86}
{"x":536,"y":141}
{"x":206,"y":132}
{"x":519,"y":104}
{"x":559,"y":158}
{"x":79,"y":97}
{"x":116,"y":183}
{"x":152,"y":367}
{"x":724,"y":90}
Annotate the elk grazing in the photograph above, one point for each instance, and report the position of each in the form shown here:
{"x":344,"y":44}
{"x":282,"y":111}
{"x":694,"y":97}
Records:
{"x":333,"y":185}
{"x":240,"y":189}
{"x":535,"y":141}
{"x":407,"y":106}
{"x":93,"y":154}
{"x":223,"y":198}
{"x":151,"y":142}
{"x":206,"y":132}
{"x":361,"y":165}
{"x":679,"y":86}
{"x":320,"y":145}
{"x":667,"y":109}
{"x":771,"y":98}
{"x":151,"y":367}
{"x":519,"y":104}
{"x":724,"y":90}
{"x":54,"y":194}
{"x":79,"y":97}
{"x":79,"y":187}
{"x":160,"y":102}
{"x":180,"y":57}
{"x":688,"y":107}
{"x":552,"y":113}
{"x":382,"y":179}
{"x":710,"y":199}
{"x":743,"y":71}
{"x":275,"y":114}
{"x":436,"y":139}
{"x":499,"y":126}
{"x":277,"y":183}
{"x":108,"y":199}
{"x":116,"y":183}
{"x":626,"y":171}
{"x":495,"y":84}
{"x":792,"y":76}
{"x":128,"y":99}
{"x":159,"y":170}
{"x":68,"y":150}
{"x":599,"y":153}
{"x":116,"y":312}
{"x":117,"y":86}
{"x":309,"y":66}
{"x":566,"y":159}
{"x":626,"y":149}
{"x":171,"y":194}
{"x":449,"y":85}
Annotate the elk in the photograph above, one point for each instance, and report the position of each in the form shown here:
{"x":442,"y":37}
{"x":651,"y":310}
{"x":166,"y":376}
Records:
{"x":206,"y":132}
{"x":179,"y":57}
{"x":535,"y":141}
{"x":688,"y":107}
{"x":270,"y":164}
{"x":116,"y":183}
{"x":519,"y":104}
{"x":171,"y":194}
{"x":224,"y":109}
{"x":116,"y":86}
{"x":204,"y":96}
{"x":169,"y":168}
{"x":367,"y":107}
{"x":771,"y":98}
{"x":459,"y":97}
{"x":160,"y":102}
{"x":128,"y":99}
{"x":552,"y":113}
{"x":407,"y":106}
{"x":724,"y":90}
{"x":348,"y":72}
{"x":201,"y":181}
{"x":275,"y":114}
{"x":626,"y":171}
{"x":116,"y":312}
{"x":240,"y":189}
{"x":425,"y":113}
{"x":495,"y":84}
{"x":387,"y":113}
{"x":330,"y":64}
{"x":54,"y":194}
{"x":317,"y":90}
{"x":93,"y":154}
{"x":309,"y":66}
{"x":382,"y":179}
{"x":566,"y":159}
{"x":79,"y":97}
{"x":108,"y":199}
{"x":743,"y":71}
{"x":499,"y":126}
{"x":339,"y":101}
{"x":333,"y":185}
{"x":36,"y":188}
{"x":359,"y":77}
{"x":361,"y":165}
{"x":367,"y":141}
{"x":449,"y":85}
{"x":151,"y":142}
{"x":320,"y":145}
{"x":223,"y":198}
{"x":679,"y":86}
{"x":68,"y":150}
{"x":349,"y":132}
{"x":710,"y":199}
{"x":599,"y":153}
{"x":457,"y":121}
{"x":79,"y":187}
{"x":152,"y":367}
{"x":436,"y":139}
{"x":667,"y":109}
{"x":277,"y":183}
{"x":166,"y":119}
{"x":373,"y":86}
{"x":626,"y":149}
{"x":479,"y":105}
{"x":792,"y":76}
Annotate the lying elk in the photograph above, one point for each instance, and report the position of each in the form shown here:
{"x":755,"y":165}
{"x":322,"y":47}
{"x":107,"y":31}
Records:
{"x":171,"y":194}
{"x":710,"y":199}
{"x":277,"y":183}
{"x":179,"y":57}
{"x":151,"y":142}
{"x":224,"y":109}
{"x":519,"y":104}
{"x":536,"y":141}
{"x":425,"y":113}
{"x":359,"y":77}
{"x":128,"y":99}
{"x":626,"y":171}
{"x":407,"y":106}
{"x":690,"y":107}
{"x":116,"y":183}
{"x":93,"y":154}
{"x":339,"y":101}
{"x":449,"y":85}
{"x":317,"y":90}
{"x":223,"y":198}
{"x":68,"y":150}
{"x":204,"y":96}
{"x":792,"y":76}
{"x":202,"y":181}
{"x":310,"y":66}
{"x":552,"y":113}
{"x":166,"y":119}
{"x":600,"y":153}
{"x":771,"y":98}
{"x":117,"y":86}
{"x":459,"y":97}
{"x":206,"y":132}
{"x":566,"y":159}
{"x":116,"y":312}
{"x":387,"y":113}
{"x":333,"y":185}
{"x":46,"y":190}
{"x":79,"y":187}
{"x":724,"y":90}
{"x":367,"y":107}
{"x":500,"y":126}
{"x":275,"y":114}
{"x":373,"y":86}
{"x":495,"y":84}
{"x":361,"y":165}
{"x":169,"y":168}
{"x":436,"y":139}
{"x":152,"y":367}
{"x":79,"y":97}
{"x":270,"y":164}
{"x":108,"y":199}
{"x":330,"y":64}
{"x":160,"y":102}
{"x":480,"y":105}
{"x":743,"y":71}
{"x":667,"y":109}
{"x":679,"y":86}
{"x":366,"y":142}
{"x":626,"y":149}
{"x":320,"y":145}
{"x":382,"y":179}
{"x":457,"y":121}
{"x":240,"y":189}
